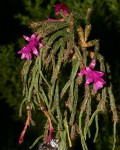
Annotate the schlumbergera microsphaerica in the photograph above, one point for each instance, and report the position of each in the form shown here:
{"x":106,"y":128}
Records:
{"x":65,"y":76}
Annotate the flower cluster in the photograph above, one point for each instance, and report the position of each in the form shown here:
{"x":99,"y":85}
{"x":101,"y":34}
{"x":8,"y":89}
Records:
{"x":31,"y":47}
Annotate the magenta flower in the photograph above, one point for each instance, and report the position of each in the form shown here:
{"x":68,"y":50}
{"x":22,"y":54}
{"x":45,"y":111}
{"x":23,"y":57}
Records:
{"x":31,"y":47}
{"x":60,"y":6}
{"x":27,"y":123}
{"x":93,"y":76}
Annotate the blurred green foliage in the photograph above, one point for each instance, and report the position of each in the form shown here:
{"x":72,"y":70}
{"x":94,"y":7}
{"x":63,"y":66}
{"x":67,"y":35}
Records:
{"x":105,"y":20}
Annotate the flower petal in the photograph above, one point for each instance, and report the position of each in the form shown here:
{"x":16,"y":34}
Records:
{"x":89,"y":80}
{"x":98,"y":85}
{"x":82,"y":72}
{"x":33,"y":36}
{"x":28,"y":56}
{"x":40,"y":44}
{"x":38,"y":38}
{"x":92,"y":64}
{"x":35,"y":51}
{"x":23,"y":56}
{"x":26,"y":38}
{"x":99,"y":73}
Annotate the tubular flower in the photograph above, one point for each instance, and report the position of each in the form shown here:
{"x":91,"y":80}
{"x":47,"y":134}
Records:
{"x":93,"y":76}
{"x":51,"y":129}
{"x":31,"y":47}
{"x":60,"y":6}
{"x":49,"y":138}
{"x":27,"y":123}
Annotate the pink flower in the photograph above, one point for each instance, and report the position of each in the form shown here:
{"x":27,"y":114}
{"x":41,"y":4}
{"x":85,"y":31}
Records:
{"x":93,"y":76}
{"x":31,"y":47}
{"x":27,"y":123}
{"x":60,"y":6}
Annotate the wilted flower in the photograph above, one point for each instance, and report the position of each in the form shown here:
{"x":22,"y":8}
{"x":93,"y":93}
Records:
{"x":27,"y":123}
{"x":49,"y":138}
{"x":60,"y":6}
{"x":31,"y":47}
{"x":93,"y":76}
